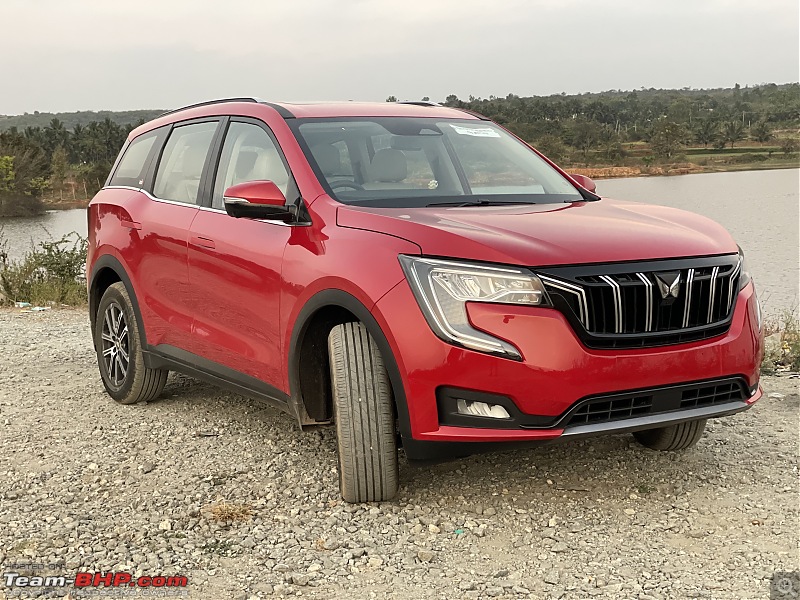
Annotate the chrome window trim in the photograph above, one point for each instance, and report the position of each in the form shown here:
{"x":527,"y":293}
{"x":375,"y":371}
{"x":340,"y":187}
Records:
{"x":206,"y":208}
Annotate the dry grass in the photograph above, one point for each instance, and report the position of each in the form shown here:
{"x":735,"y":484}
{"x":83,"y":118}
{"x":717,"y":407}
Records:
{"x":782,"y":352}
{"x":228,"y":512}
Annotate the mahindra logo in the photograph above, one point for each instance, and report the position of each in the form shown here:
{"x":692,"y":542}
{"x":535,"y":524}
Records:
{"x":669,"y":284}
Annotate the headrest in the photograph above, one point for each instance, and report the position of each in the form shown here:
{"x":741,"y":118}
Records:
{"x":328,"y":159}
{"x":389,"y":166}
{"x":194,"y":157}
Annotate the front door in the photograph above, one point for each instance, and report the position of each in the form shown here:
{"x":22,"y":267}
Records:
{"x":235,"y":264}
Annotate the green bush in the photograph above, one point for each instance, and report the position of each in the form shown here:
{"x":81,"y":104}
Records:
{"x":748,"y":157}
{"x":52,"y":272}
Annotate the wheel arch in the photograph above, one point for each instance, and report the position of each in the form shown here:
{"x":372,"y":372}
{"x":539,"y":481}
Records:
{"x":310,"y":396}
{"x":106,"y":271}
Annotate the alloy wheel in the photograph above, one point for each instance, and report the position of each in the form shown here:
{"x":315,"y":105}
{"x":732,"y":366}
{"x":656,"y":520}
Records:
{"x":115,"y":345}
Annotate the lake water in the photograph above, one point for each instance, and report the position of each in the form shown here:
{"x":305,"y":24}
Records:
{"x":760,"y":209}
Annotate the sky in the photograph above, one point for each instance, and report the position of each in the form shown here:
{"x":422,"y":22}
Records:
{"x":68,"y":55}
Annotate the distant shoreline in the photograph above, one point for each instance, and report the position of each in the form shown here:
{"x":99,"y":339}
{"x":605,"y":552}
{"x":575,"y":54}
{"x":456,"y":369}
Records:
{"x":595,"y":172}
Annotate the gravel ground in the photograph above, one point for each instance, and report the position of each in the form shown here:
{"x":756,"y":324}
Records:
{"x":93,"y":485}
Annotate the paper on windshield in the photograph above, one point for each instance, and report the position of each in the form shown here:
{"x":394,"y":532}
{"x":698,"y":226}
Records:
{"x":475,"y":131}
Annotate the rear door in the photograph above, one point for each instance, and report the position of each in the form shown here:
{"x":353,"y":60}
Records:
{"x":158,"y":249}
{"x":235,"y":264}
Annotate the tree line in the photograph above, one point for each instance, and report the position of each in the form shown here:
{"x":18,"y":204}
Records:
{"x":52,"y":160}
{"x":69,"y":157}
{"x":595,"y":126}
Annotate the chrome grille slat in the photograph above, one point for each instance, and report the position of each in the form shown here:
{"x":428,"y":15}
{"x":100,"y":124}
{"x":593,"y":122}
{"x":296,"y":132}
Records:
{"x":731,"y":281}
{"x":648,"y":326}
{"x":713,"y":293}
{"x":617,"y":302}
{"x":573,"y":289}
{"x":688,"y":302}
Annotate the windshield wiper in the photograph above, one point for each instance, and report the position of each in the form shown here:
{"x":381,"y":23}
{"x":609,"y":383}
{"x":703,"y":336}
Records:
{"x":478,"y":202}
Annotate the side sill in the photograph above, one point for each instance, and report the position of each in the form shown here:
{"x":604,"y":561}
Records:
{"x":169,"y":357}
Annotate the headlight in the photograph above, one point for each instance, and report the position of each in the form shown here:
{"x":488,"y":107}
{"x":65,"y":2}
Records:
{"x":443,"y":288}
{"x":744,"y":275}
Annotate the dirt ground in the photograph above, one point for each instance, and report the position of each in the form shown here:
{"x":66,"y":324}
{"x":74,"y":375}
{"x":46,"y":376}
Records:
{"x":86,"y":484}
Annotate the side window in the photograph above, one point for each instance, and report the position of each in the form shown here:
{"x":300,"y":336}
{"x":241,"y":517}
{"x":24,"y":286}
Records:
{"x":248,"y":154}
{"x":130,"y":170}
{"x":181,"y":165}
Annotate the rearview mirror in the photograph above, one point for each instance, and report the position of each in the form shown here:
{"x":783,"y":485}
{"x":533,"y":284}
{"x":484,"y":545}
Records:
{"x":584,"y":181}
{"x":256,"y":200}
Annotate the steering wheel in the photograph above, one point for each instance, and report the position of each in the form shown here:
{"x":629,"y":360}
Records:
{"x":346,"y":184}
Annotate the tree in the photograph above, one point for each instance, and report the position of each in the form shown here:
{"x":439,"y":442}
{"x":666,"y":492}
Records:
{"x":6,"y":174}
{"x":552,"y":147}
{"x":426,"y":99}
{"x":761,"y":132}
{"x":392,"y":99}
{"x":706,"y":131}
{"x":733,"y":132}
{"x":667,"y":137}
{"x":58,"y":168}
{"x":586,"y":135}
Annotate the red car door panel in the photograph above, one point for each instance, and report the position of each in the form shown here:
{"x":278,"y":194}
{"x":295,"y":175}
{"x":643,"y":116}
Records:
{"x":235,"y":292}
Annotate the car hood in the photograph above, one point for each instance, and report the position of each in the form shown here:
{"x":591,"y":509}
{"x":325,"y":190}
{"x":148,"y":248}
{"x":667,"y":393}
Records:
{"x":548,"y":234}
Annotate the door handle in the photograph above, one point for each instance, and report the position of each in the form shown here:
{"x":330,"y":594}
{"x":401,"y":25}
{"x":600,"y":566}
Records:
{"x":199,"y":240}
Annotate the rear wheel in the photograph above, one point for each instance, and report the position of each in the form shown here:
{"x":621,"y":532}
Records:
{"x":675,"y":437}
{"x":119,"y":352}
{"x":364,"y":414}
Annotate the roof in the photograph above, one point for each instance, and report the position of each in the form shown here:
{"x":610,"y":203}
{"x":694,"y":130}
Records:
{"x":302,"y":110}
{"x":371,"y":109}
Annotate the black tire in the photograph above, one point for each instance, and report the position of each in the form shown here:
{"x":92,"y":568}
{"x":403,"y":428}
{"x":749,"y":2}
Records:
{"x":364,"y":414}
{"x":119,"y":351}
{"x":675,"y":437}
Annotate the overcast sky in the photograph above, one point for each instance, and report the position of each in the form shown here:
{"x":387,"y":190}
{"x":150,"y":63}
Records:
{"x":66,"y":55}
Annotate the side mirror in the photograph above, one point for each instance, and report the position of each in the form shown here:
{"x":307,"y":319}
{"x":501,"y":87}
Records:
{"x":256,"y":200}
{"x":584,"y":181}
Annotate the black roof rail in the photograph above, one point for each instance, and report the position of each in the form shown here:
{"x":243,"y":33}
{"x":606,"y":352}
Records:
{"x":474,"y":114}
{"x":419,"y":102}
{"x":208,"y":103}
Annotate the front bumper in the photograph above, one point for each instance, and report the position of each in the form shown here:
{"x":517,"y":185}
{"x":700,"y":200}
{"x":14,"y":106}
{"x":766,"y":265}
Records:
{"x":556,"y":373}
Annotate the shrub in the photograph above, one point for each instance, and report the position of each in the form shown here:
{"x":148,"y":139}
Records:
{"x":52,"y":272}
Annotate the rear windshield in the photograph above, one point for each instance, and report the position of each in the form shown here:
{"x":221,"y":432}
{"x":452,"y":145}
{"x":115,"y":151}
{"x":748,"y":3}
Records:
{"x":400,"y":162}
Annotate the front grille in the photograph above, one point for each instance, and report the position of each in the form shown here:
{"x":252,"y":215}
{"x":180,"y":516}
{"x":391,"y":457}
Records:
{"x":602,"y":411}
{"x":712,"y":394}
{"x":626,"y":405}
{"x":647,"y":304}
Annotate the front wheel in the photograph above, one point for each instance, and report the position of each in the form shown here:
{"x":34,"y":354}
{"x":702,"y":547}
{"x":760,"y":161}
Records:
{"x":675,"y":437}
{"x":364,"y":414}
{"x":119,"y":352}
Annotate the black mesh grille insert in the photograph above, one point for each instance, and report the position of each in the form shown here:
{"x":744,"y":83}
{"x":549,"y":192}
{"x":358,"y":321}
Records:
{"x":712,"y":394}
{"x":639,"y":403}
{"x":602,"y":411}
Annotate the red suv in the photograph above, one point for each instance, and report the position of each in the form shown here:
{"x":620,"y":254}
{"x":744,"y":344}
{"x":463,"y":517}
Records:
{"x":415,"y":275}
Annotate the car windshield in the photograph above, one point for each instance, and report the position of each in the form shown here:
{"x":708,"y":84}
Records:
{"x":408,"y":162}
